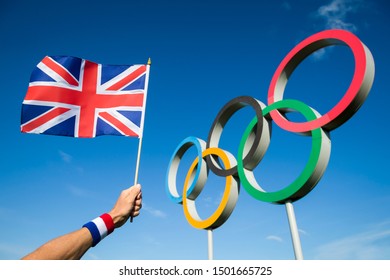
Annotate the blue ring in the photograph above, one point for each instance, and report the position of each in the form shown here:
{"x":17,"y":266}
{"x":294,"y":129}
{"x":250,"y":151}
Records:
{"x":177,"y":155}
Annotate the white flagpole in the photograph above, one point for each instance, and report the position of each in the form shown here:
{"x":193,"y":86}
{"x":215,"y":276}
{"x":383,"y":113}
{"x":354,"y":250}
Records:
{"x":294,"y":231}
{"x":141,"y":127}
{"x":210,"y":244}
{"x":138,"y":161}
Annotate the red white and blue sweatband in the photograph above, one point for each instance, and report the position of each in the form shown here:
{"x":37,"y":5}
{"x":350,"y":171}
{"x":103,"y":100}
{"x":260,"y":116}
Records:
{"x":100,"y":228}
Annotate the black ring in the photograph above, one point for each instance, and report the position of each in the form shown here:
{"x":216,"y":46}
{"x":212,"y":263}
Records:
{"x":219,"y":123}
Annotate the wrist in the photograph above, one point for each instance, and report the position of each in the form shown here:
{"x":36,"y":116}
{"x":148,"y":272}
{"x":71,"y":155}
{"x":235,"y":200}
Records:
{"x":116,"y":218}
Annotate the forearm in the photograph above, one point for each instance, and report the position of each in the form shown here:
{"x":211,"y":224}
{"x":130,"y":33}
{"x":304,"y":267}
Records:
{"x":71,"y":246}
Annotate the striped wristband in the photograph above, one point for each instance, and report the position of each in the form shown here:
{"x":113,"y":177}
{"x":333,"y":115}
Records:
{"x":100,"y":228}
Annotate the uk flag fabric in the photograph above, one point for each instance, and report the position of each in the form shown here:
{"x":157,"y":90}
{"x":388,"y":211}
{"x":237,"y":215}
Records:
{"x":70,"y":96}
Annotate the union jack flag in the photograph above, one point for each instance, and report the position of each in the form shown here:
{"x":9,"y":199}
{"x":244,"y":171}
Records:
{"x":75,"y":97}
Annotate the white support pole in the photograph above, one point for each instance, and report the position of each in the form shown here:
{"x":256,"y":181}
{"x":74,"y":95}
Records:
{"x":210,"y":244}
{"x":294,"y":231}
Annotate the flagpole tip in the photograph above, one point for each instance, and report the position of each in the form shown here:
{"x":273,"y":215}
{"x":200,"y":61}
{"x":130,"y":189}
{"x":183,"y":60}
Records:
{"x":149,"y":61}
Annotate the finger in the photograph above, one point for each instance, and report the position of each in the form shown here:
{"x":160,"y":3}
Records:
{"x":136,"y":210}
{"x":136,"y":198}
{"x":137,"y":207}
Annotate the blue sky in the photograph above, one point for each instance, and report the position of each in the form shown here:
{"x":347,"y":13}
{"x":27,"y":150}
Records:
{"x":204,"y":53}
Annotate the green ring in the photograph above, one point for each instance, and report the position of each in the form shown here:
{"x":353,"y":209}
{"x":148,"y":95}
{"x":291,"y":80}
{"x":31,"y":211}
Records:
{"x":311,"y":174}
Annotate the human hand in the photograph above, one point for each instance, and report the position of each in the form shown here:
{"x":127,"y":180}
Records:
{"x":128,"y":204}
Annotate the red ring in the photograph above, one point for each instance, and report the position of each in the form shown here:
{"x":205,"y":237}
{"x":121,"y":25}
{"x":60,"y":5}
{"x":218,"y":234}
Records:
{"x":355,"y":95}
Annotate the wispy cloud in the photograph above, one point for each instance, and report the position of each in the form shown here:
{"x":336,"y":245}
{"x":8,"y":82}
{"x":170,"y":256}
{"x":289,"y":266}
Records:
{"x":92,"y":256}
{"x":371,"y":244}
{"x":318,"y":55}
{"x":274,"y":238}
{"x":78,"y":192}
{"x":211,"y":200}
{"x":303,"y":232}
{"x":65,"y":157}
{"x":154,"y":212}
{"x":277,"y":238}
{"x":335,"y":14}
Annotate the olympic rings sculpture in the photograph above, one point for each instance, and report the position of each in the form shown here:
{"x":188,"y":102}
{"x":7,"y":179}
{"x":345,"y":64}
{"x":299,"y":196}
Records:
{"x":256,"y":138}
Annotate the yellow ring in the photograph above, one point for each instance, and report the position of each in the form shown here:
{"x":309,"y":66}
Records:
{"x":229,"y":198}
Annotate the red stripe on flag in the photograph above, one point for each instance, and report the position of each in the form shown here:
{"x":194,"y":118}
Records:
{"x":88,"y":101}
{"x":60,"y":70}
{"x":117,"y":124}
{"x":43,"y":119}
{"x":123,"y":82}
{"x":53,"y":94}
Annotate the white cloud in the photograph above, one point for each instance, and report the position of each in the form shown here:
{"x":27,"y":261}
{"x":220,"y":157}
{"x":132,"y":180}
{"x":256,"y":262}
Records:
{"x":335,"y":14}
{"x":303,"y":232}
{"x":65,"y":157}
{"x":372,"y":244}
{"x":154,"y":212}
{"x":78,"y":192}
{"x":274,"y":238}
{"x":91,"y":256}
{"x":318,"y":55}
